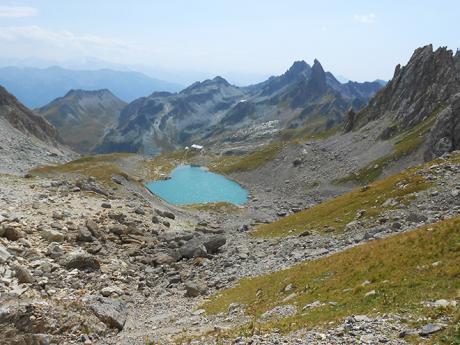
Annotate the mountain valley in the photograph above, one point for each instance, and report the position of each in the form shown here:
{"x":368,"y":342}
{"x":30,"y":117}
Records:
{"x":349,"y":235}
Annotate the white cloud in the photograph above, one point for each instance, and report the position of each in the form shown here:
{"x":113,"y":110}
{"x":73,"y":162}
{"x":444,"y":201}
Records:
{"x":17,"y":11}
{"x":34,"y":32}
{"x":39,"y":42}
{"x":365,"y":18}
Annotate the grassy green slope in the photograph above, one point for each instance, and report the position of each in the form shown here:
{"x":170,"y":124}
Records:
{"x":400,"y":269}
{"x":337,"y":212}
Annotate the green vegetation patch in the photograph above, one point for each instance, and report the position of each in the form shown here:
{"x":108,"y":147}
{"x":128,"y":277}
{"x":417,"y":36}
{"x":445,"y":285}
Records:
{"x":392,"y":275}
{"x":338,"y":212}
{"x":251,"y":161}
{"x":100,"y":167}
{"x":406,"y":143}
{"x":103,"y":167}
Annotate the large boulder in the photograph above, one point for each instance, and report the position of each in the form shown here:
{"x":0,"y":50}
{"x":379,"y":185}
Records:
{"x":4,"y":254}
{"x":162,"y":258}
{"x":169,"y":215}
{"x":22,"y":274}
{"x":192,"y":249}
{"x":90,"y":185}
{"x":51,"y":235}
{"x":110,"y":311}
{"x":195,"y":289}
{"x":84,"y":235}
{"x":12,"y":232}
{"x":81,"y":260}
{"x":176,"y":236}
{"x":213,"y":243}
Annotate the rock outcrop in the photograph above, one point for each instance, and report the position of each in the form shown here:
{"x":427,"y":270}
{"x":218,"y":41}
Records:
{"x":423,"y":92}
{"x":27,"y":139}
{"x":349,"y":121}
{"x":417,"y":90}
{"x":25,"y":120}
{"x":445,"y":134}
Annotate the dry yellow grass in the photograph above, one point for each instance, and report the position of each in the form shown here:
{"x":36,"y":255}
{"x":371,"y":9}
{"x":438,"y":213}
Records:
{"x":251,"y":161}
{"x":337,"y":212}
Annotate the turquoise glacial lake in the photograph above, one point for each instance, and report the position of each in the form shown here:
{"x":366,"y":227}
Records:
{"x":196,"y":185}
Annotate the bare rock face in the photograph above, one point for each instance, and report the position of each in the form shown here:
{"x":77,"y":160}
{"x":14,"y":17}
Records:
{"x":349,"y":121}
{"x":445,"y":134}
{"x":110,"y":311}
{"x":418,"y":89}
{"x":24,"y":119}
{"x":27,"y":139}
{"x":457,"y":61}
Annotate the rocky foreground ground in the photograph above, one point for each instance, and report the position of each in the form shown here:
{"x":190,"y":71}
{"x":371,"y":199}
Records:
{"x":82,"y":263}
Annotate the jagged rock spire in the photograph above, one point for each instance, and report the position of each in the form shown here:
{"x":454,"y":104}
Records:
{"x":349,"y":120}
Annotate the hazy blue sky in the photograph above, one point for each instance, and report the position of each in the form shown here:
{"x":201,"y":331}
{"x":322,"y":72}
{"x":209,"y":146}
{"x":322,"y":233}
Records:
{"x":240,"y":40}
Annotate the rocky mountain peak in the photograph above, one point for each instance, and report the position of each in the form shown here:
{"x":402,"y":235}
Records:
{"x":318,"y":77}
{"x":457,"y":62}
{"x":88,"y":93}
{"x":416,"y":90}
{"x":82,"y":116}
{"x":217,"y":81}
{"x":298,"y":68}
{"x":299,"y":71}
{"x":317,"y":70}
{"x":220,"y":80}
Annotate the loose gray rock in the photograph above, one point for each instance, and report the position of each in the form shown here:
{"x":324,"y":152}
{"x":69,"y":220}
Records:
{"x":169,"y":215}
{"x":84,"y":235}
{"x":192,"y":249}
{"x":12,"y":233}
{"x":195,"y":289}
{"x":430,"y":328}
{"x":139,"y":210}
{"x":4,"y":254}
{"x":52,"y":235}
{"x":92,"y":226}
{"x":106,"y":205}
{"x":81,"y":260}
{"x":116,"y":230}
{"x":162,"y":258}
{"x":23,"y":274}
{"x":112,"y":312}
{"x":213,"y":243}
{"x":416,"y":217}
{"x":55,"y":250}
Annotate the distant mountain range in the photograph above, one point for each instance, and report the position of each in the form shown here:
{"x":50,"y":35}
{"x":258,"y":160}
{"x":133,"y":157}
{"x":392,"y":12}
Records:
{"x":36,"y":87}
{"x":216,"y":110}
{"x":424,"y":94}
{"x":82,"y":117}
